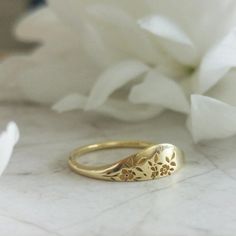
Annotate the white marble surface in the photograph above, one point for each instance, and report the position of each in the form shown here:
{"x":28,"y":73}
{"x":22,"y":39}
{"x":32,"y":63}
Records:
{"x":40,"y":196}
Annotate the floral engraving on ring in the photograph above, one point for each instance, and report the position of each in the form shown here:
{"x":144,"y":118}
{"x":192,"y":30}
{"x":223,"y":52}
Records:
{"x":168,"y":168}
{"x":155,"y":172}
{"x":135,"y":168}
{"x":127,"y":175}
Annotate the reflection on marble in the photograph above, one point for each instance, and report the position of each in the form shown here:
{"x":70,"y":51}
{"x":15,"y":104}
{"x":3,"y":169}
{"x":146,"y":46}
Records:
{"x":40,"y":196}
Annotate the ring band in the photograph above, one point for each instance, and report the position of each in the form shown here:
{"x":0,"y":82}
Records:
{"x":152,"y":162}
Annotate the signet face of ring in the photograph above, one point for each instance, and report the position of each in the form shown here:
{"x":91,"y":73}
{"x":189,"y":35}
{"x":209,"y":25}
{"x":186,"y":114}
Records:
{"x":152,"y":162}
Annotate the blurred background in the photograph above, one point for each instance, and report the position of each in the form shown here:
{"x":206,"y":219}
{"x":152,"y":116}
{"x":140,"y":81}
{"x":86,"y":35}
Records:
{"x":10,"y":11}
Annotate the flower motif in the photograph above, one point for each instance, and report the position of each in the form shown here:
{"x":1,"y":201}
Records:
{"x":163,"y":48}
{"x":126,"y":175}
{"x":165,"y":169}
{"x":155,"y":171}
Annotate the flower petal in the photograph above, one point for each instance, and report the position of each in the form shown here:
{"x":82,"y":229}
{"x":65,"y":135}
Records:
{"x":55,"y":76}
{"x":8,"y":140}
{"x":224,"y":90}
{"x":97,"y":48}
{"x":119,"y":26}
{"x":38,"y":25}
{"x":10,"y":69}
{"x":164,"y":27}
{"x":217,"y":62}
{"x":71,"y":11}
{"x":117,"y":109}
{"x":171,"y":38}
{"x":158,"y":89}
{"x":71,"y":102}
{"x":211,"y":119}
{"x":112,"y":79}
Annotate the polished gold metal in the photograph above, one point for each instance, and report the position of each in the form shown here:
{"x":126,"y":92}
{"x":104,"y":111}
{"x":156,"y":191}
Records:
{"x":152,"y":162}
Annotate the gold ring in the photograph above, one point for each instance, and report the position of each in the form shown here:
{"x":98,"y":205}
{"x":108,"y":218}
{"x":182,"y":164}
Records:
{"x":152,"y":162}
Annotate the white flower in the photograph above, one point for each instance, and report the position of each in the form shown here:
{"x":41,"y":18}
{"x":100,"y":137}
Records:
{"x":132,"y":60}
{"x":8,"y":140}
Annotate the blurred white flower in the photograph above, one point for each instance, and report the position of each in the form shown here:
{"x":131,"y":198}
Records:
{"x":132,"y":60}
{"x":8,"y":140}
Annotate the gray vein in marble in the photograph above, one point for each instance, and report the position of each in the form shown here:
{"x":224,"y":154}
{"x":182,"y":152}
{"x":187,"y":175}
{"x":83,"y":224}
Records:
{"x":31,"y":224}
